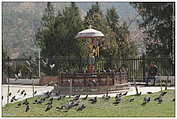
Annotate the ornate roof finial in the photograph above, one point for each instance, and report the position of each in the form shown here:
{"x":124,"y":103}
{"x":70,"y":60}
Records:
{"x":90,"y":26}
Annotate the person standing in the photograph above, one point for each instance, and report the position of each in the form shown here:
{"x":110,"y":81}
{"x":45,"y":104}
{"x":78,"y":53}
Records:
{"x":153,"y":71}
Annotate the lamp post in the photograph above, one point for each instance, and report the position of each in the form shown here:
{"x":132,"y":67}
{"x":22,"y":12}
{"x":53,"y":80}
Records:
{"x":8,"y":87}
{"x":39,"y":60}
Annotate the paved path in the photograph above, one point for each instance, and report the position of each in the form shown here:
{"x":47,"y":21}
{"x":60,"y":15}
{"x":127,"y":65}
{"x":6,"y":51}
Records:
{"x":42,"y":89}
{"x":28,"y":88}
{"x":132,"y":91}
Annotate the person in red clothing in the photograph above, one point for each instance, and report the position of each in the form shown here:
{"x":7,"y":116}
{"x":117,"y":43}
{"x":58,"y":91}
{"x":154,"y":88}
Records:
{"x":153,"y":71}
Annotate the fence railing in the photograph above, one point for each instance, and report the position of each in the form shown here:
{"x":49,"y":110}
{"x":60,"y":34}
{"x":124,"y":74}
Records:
{"x":136,"y":68}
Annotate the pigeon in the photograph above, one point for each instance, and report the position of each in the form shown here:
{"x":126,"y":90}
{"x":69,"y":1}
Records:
{"x":51,"y":99}
{"x":107,"y":98}
{"x":27,"y":108}
{"x":35,"y":101}
{"x":75,"y":104}
{"x":107,"y":94}
{"x":50,"y":93}
{"x":59,"y":108}
{"x":10,"y":94}
{"x":93,"y":100}
{"x":25,"y":102}
{"x":18,"y":91}
{"x":45,"y":63}
{"x":28,"y":63}
{"x":116,"y":102}
{"x":81,"y":107}
{"x":159,"y":100}
{"x":163,"y":93}
{"x":16,"y":77}
{"x":173,"y":99}
{"x":18,"y":105}
{"x":125,"y":93}
{"x":148,"y":99}
{"x":48,"y":108}
{"x":117,"y":95}
{"x":131,"y":100}
{"x":59,"y":98}
{"x":50,"y":102}
{"x":149,"y":93}
{"x":85,"y":97}
{"x":103,"y":97}
{"x":52,"y":66}
{"x":77,"y":97}
{"x":145,"y":100}
{"x":40,"y":101}
{"x":13,"y":99}
{"x":35,"y":92}
{"x":24,"y":94}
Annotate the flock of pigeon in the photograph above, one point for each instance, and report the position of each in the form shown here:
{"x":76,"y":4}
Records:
{"x":76,"y":100}
{"x":14,"y":98}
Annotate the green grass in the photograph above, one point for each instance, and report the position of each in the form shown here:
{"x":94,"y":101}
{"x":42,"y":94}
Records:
{"x":101,"y":108}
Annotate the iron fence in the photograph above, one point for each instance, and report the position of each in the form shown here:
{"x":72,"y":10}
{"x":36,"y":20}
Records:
{"x":136,"y":68}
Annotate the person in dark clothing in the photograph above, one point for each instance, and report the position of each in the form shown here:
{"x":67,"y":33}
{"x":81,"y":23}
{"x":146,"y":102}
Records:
{"x":153,"y":71}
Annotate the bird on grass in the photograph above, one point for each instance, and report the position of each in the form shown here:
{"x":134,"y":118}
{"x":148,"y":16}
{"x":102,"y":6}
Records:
{"x":35,"y":101}
{"x":51,"y":99}
{"x":27,"y":108}
{"x":48,"y":107}
{"x":85,"y":97}
{"x":163,"y":93}
{"x":146,"y":100}
{"x":18,"y":105}
{"x":59,"y":98}
{"x":149,"y":99}
{"x":118,"y":98}
{"x":25,"y":102}
{"x":159,"y":99}
{"x":76,"y":97}
{"x":59,"y":108}
{"x":107,"y":98}
{"x":41,"y":101}
{"x":80,"y":108}
{"x":75,"y":104}
{"x":93,"y":100}
{"x":103,"y":97}
{"x":49,"y":102}
{"x":116,"y":102}
{"x":132,"y":99}
{"x":173,"y":99}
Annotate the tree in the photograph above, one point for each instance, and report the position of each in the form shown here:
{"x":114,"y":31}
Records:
{"x":56,"y":36}
{"x":158,"y":20}
{"x":122,"y":35}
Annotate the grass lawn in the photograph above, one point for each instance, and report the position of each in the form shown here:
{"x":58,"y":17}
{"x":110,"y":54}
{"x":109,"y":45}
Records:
{"x":100,"y":109}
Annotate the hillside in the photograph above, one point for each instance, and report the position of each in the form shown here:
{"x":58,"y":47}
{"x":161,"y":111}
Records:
{"x":21,"y":20}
